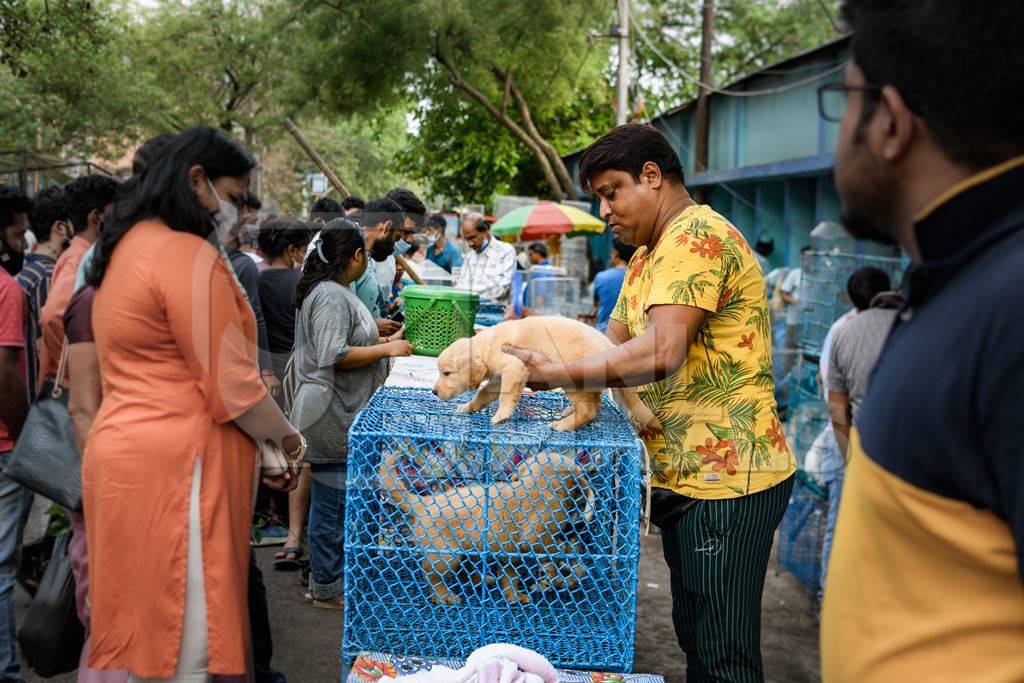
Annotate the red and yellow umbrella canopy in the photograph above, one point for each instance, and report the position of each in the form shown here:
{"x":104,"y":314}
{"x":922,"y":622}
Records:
{"x":547,"y":219}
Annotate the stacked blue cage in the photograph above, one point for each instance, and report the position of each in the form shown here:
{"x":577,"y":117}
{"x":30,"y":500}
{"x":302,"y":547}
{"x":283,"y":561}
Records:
{"x":823,"y":298}
{"x":440,"y":508}
{"x":802,"y":531}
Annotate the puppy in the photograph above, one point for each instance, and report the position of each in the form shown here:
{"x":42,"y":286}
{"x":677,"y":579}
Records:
{"x":469,"y":361}
{"x":525,"y":514}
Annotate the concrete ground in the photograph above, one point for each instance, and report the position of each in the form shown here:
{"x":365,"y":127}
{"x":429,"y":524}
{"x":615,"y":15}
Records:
{"x":307,"y":640}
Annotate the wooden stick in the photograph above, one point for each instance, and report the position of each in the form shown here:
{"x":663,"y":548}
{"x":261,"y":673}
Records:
{"x":320,"y":163}
{"x":338,"y":185}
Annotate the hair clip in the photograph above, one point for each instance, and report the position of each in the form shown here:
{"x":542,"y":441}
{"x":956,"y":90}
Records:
{"x":319,"y":250}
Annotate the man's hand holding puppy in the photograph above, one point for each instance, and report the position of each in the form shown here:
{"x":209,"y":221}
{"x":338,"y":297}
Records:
{"x":658,"y":353}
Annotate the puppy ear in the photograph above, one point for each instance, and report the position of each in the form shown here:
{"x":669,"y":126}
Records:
{"x":477,"y":370}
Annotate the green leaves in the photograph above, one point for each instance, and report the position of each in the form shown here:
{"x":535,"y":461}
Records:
{"x":718,"y":382}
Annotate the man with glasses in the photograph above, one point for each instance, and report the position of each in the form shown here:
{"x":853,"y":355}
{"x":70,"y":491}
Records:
{"x":925,"y":578}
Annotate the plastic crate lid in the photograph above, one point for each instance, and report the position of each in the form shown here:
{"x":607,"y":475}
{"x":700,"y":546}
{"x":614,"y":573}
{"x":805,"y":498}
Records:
{"x":433,"y":292}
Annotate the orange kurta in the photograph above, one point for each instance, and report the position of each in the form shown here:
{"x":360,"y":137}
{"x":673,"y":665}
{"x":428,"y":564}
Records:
{"x":177,"y":349}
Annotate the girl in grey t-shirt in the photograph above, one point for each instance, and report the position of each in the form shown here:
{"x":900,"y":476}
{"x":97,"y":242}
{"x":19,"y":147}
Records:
{"x":338,"y":362}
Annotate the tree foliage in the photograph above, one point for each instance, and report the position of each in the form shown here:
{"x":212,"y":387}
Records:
{"x":515,"y":63}
{"x":67,"y":78}
{"x":747,"y":36}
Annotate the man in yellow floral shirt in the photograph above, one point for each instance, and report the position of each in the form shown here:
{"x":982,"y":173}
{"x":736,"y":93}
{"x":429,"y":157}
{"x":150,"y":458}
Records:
{"x":692,"y":331}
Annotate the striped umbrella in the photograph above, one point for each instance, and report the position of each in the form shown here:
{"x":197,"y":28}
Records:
{"x":547,"y":219}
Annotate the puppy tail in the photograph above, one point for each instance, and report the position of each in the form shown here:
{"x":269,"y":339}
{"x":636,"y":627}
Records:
{"x":387,"y":474}
{"x":644,"y":421}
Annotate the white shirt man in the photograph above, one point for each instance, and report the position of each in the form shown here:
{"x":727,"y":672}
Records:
{"x":489,"y":265}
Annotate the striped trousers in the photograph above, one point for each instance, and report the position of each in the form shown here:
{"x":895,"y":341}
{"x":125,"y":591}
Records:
{"x":717,"y":555}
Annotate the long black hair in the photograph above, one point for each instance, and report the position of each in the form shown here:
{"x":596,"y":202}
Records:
{"x":277,"y":234}
{"x":338,"y":242}
{"x":162,"y":191}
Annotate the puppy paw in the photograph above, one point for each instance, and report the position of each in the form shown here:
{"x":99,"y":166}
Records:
{"x":501,"y":415}
{"x":465,"y":408}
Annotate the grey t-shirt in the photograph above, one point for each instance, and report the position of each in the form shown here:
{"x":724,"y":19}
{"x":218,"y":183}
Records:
{"x":856,"y":345}
{"x":331,"y":320}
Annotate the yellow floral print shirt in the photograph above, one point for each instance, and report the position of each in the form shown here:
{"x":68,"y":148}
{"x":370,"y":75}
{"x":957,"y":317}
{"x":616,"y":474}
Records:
{"x":722,"y":436}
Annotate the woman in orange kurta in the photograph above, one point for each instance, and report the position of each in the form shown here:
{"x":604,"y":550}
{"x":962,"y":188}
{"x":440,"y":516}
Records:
{"x":176,"y":344}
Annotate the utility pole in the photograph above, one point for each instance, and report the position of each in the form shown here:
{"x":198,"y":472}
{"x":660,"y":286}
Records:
{"x":700,"y":161}
{"x":622,"y":32}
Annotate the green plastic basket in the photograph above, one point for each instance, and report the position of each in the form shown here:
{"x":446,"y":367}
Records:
{"x":437,"y":316}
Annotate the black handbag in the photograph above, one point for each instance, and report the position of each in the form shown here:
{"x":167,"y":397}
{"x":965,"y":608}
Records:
{"x":45,"y":459}
{"x":51,"y":636}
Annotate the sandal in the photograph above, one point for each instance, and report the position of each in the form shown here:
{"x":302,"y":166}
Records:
{"x":336,"y":603}
{"x":288,"y":559}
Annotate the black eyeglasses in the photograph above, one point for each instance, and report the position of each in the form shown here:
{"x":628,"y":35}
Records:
{"x":832,"y":99}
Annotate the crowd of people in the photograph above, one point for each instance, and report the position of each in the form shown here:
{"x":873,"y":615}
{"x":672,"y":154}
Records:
{"x":191,"y":334}
{"x":206,"y":359}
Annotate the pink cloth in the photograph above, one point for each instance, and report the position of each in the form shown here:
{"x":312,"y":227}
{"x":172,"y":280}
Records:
{"x":80,"y":569}
{"x":497,"y":663}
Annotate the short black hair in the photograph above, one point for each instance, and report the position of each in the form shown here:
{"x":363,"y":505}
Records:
{"x":627,"y":148}
{"x":48,"y":206}
{"x":353,"y":202}
{"x":147,"y":150}
{"x":12,"y":201}
{"x":326,"y":206}
{"x":410,"y":203}
{"x":952,"y":63}
{"x":436,"y":220}
{"x":377,"y":211}
{"x":625,"y":251}
{"x":865,"y":284}
{"x":539,"y":248}
{"x":86,"y":194}
{"x":278,"y":234}
{"x":252,"y":201}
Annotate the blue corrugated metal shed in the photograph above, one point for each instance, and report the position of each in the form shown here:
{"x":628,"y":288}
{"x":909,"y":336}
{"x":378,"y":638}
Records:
{"x":770,"y":156}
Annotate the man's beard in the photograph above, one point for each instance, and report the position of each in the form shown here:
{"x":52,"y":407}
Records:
{"x":869,"y":197}
{"x":11,"y":260}
{"x":382,"y":249}
{"x":865,"y":225}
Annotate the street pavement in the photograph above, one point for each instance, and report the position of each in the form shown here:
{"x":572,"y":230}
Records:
{"x":307,"y":640}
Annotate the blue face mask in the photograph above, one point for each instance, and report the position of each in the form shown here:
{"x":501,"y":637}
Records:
{"x":401,"y":246}
{"x":483,"y":246}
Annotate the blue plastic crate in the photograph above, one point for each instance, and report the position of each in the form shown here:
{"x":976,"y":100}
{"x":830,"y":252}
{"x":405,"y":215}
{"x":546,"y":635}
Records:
{"x":573,"y":596}
{"x":489,"y":319}
{"x":802,"y":531}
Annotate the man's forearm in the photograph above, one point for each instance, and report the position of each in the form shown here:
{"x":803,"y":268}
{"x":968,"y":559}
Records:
{"x":13,"y":400}
{"x":634,"y":363}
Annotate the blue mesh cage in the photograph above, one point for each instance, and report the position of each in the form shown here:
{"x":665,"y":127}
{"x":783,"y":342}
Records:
{"x":823,"y":298}
{"x":459,"y":533}
{"x":802,"y":531}
{"x":808,"y":412}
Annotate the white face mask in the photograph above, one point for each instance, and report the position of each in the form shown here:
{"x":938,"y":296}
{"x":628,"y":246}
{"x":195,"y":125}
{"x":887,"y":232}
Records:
{"x":225,"y":218}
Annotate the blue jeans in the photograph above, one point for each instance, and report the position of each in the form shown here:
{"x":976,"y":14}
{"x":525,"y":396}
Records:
{"x":15,"y":503}
{"x":327,"y":531}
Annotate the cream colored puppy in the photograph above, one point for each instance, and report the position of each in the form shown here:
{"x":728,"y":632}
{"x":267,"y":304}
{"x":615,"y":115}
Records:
{"x":470,"y":361}
{"x":525,"y":514}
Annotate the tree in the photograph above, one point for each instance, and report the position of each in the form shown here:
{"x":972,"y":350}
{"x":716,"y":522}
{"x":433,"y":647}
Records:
{"x":361,"y":150}
{"x":228,"y":64}
{"x":748,"y":36}
{"x":67,"y":80}
{"x":517,"y":63}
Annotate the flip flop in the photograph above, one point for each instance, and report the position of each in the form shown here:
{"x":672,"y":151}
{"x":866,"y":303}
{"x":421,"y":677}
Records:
{"x":288,"y":559}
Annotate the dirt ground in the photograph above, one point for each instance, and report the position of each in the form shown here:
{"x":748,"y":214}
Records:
{"x":789,"y":627}
{"x":307,"y":640}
